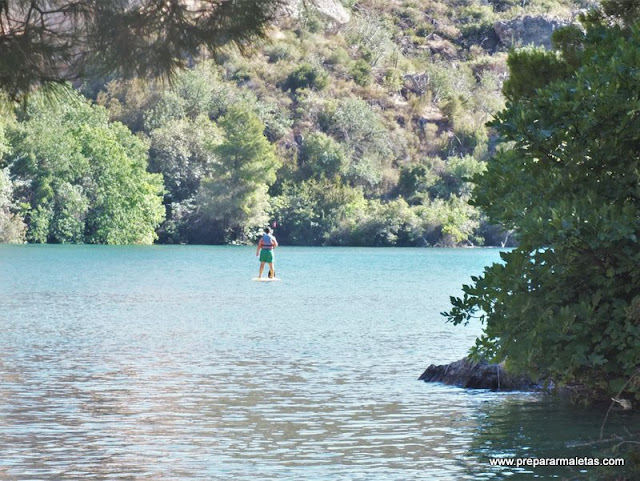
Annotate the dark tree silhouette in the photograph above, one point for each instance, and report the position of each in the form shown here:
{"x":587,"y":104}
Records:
{"x":60,"y":40}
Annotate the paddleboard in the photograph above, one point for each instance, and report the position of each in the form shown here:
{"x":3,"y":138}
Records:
{"x":265,"y":279}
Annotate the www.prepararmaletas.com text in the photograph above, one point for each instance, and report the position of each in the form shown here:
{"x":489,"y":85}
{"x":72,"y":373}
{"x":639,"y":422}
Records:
{"x":535,"y":462}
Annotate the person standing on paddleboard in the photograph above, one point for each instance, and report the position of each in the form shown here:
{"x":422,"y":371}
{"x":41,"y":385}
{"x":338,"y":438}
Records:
{"x":266,"y":246}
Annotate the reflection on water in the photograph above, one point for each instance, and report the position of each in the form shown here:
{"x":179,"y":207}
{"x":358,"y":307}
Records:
{"x":169,"y":363}
{"x":534,"y":426}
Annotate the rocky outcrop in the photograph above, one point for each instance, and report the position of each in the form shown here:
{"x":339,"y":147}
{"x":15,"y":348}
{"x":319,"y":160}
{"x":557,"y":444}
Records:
{"x":417,"y":83}
{"x":477,"y":375}
{"x":331,"y":9}
{"x":528,"y":30}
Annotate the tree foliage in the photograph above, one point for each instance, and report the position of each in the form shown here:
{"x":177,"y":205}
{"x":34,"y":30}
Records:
{"x":235,"y":195}
{"x":321,"y":156}
{"x":12,"y":227}
{"x":81,"y":178}
{"x":564,"y":303}
{"x":531,"y":69}
{"x":184,"y":151}
{"x":60,"y":40}
{"x":306,"y":76}
{"x":309,"y":212}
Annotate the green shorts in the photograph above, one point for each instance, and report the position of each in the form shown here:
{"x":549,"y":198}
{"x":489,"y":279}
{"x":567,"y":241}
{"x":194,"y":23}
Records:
{"x":266,"y":255}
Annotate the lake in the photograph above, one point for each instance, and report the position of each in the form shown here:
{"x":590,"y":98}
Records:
{"x":168,"y":362}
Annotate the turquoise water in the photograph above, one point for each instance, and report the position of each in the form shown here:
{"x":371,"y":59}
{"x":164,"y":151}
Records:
{"x":168,"y":362}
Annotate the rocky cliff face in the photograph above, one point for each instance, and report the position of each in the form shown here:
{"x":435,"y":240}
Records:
{"x":331,"y":9}
{"x":527,"y":30}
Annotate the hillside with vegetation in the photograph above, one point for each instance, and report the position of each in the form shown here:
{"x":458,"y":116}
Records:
{"x":357,"y":123}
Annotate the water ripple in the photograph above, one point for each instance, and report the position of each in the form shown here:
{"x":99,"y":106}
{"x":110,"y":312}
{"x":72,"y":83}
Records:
{"x":139,"y":364}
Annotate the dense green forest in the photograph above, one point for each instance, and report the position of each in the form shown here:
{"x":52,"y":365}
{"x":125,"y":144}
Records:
{"x":360,"y":125}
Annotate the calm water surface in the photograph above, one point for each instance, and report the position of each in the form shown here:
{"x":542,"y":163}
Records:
{"x":132,"y":363}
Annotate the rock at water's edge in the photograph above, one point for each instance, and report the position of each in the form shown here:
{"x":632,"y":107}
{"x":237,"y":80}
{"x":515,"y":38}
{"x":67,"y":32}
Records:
{"x":477,"y":375}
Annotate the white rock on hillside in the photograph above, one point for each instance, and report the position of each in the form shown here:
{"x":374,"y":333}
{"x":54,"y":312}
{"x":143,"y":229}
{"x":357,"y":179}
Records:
{"x":332,"y":9}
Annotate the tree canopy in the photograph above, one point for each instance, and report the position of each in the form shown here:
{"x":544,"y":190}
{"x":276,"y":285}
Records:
{"x":235,"y":196}
{"x":78,"y":178}
{"x":565,"y":303}
{"x":59,"y":40}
